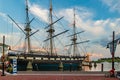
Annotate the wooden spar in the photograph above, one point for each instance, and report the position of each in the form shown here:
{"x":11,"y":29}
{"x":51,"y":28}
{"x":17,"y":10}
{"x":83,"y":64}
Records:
{"x":76,"y":33}
{"x":56,"y":35}
{"x":78,"y":43}
{"x":53,"y":23}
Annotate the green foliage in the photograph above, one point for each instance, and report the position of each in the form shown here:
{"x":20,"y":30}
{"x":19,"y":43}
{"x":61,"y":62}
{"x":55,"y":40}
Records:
{"x":116,"y":59}
{"x":9,"y":69}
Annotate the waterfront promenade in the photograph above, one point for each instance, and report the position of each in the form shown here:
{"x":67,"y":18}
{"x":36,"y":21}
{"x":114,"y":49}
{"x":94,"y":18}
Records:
{"x":55,"y":75}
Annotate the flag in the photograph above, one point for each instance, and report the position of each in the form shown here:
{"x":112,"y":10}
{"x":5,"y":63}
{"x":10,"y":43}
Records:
{"x":111,"y":47}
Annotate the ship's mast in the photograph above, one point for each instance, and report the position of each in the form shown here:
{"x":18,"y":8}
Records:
{"x":27,"y":28}
{"x":51,"y":29}
{"x":74,"y":36}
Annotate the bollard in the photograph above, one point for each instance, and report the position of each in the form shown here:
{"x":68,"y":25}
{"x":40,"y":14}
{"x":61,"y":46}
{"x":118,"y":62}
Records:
{"x":102,"y":67}
{"x":80,"y":67}
{"x":90,"y":65}
{"x":95,"y":64}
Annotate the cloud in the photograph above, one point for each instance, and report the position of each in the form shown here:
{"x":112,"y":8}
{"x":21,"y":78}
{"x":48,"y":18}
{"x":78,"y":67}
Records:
{"x":82,"y":13}
{"x":98,"y":31}
{"x":83,"y":20}
{"x":2,"y":14}
{"x":94,"y":56}
{"x":113,"y":4}
{"x":38,"y":11}
{"x":4,"y":17}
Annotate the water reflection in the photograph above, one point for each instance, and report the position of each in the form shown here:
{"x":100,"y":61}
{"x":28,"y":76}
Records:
{"x":106,"y":66}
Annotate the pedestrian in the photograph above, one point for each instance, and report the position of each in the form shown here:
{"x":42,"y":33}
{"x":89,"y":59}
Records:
{"x":112,"y":73}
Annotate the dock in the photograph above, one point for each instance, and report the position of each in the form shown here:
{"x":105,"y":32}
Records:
{"x":56,"y":75}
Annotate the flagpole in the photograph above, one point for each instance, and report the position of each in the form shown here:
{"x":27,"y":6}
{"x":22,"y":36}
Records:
{"x":113,"y":51}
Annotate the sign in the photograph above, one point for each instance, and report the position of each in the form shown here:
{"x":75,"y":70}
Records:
{"x":14,"y":66}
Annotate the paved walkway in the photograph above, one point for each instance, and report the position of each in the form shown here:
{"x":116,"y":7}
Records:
{"x":48,"y":75}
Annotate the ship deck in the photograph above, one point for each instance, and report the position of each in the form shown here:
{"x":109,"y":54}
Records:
{"x":47,"y":58}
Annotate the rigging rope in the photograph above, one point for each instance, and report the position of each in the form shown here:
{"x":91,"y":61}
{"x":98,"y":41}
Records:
{"x":11,"y":40}
{"x":20,"y":39}
{"x":69,"y":50}
{"x":82,"y":48}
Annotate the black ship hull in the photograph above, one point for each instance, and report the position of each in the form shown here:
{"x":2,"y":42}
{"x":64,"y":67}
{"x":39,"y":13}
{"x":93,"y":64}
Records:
{"x":44,"y":66}
{"x":46,"y":63}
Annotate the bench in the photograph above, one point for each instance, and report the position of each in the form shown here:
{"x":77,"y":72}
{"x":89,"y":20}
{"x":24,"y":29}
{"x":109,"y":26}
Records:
{"x":118,"y":75}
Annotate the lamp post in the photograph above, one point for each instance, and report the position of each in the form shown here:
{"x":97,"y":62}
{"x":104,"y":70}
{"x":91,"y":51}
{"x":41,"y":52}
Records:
{"x":3,"y":57}
{"x":113,"y":50}
{"x":112,"y":45}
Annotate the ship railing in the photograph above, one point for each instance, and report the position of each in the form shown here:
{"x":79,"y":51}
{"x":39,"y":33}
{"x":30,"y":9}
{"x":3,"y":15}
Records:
{"x":46,"y":57}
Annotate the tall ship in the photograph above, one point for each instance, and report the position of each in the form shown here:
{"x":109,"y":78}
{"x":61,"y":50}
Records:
{"x":49,"y":60}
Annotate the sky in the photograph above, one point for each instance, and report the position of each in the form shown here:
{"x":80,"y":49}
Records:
{"x":98,"y":18}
